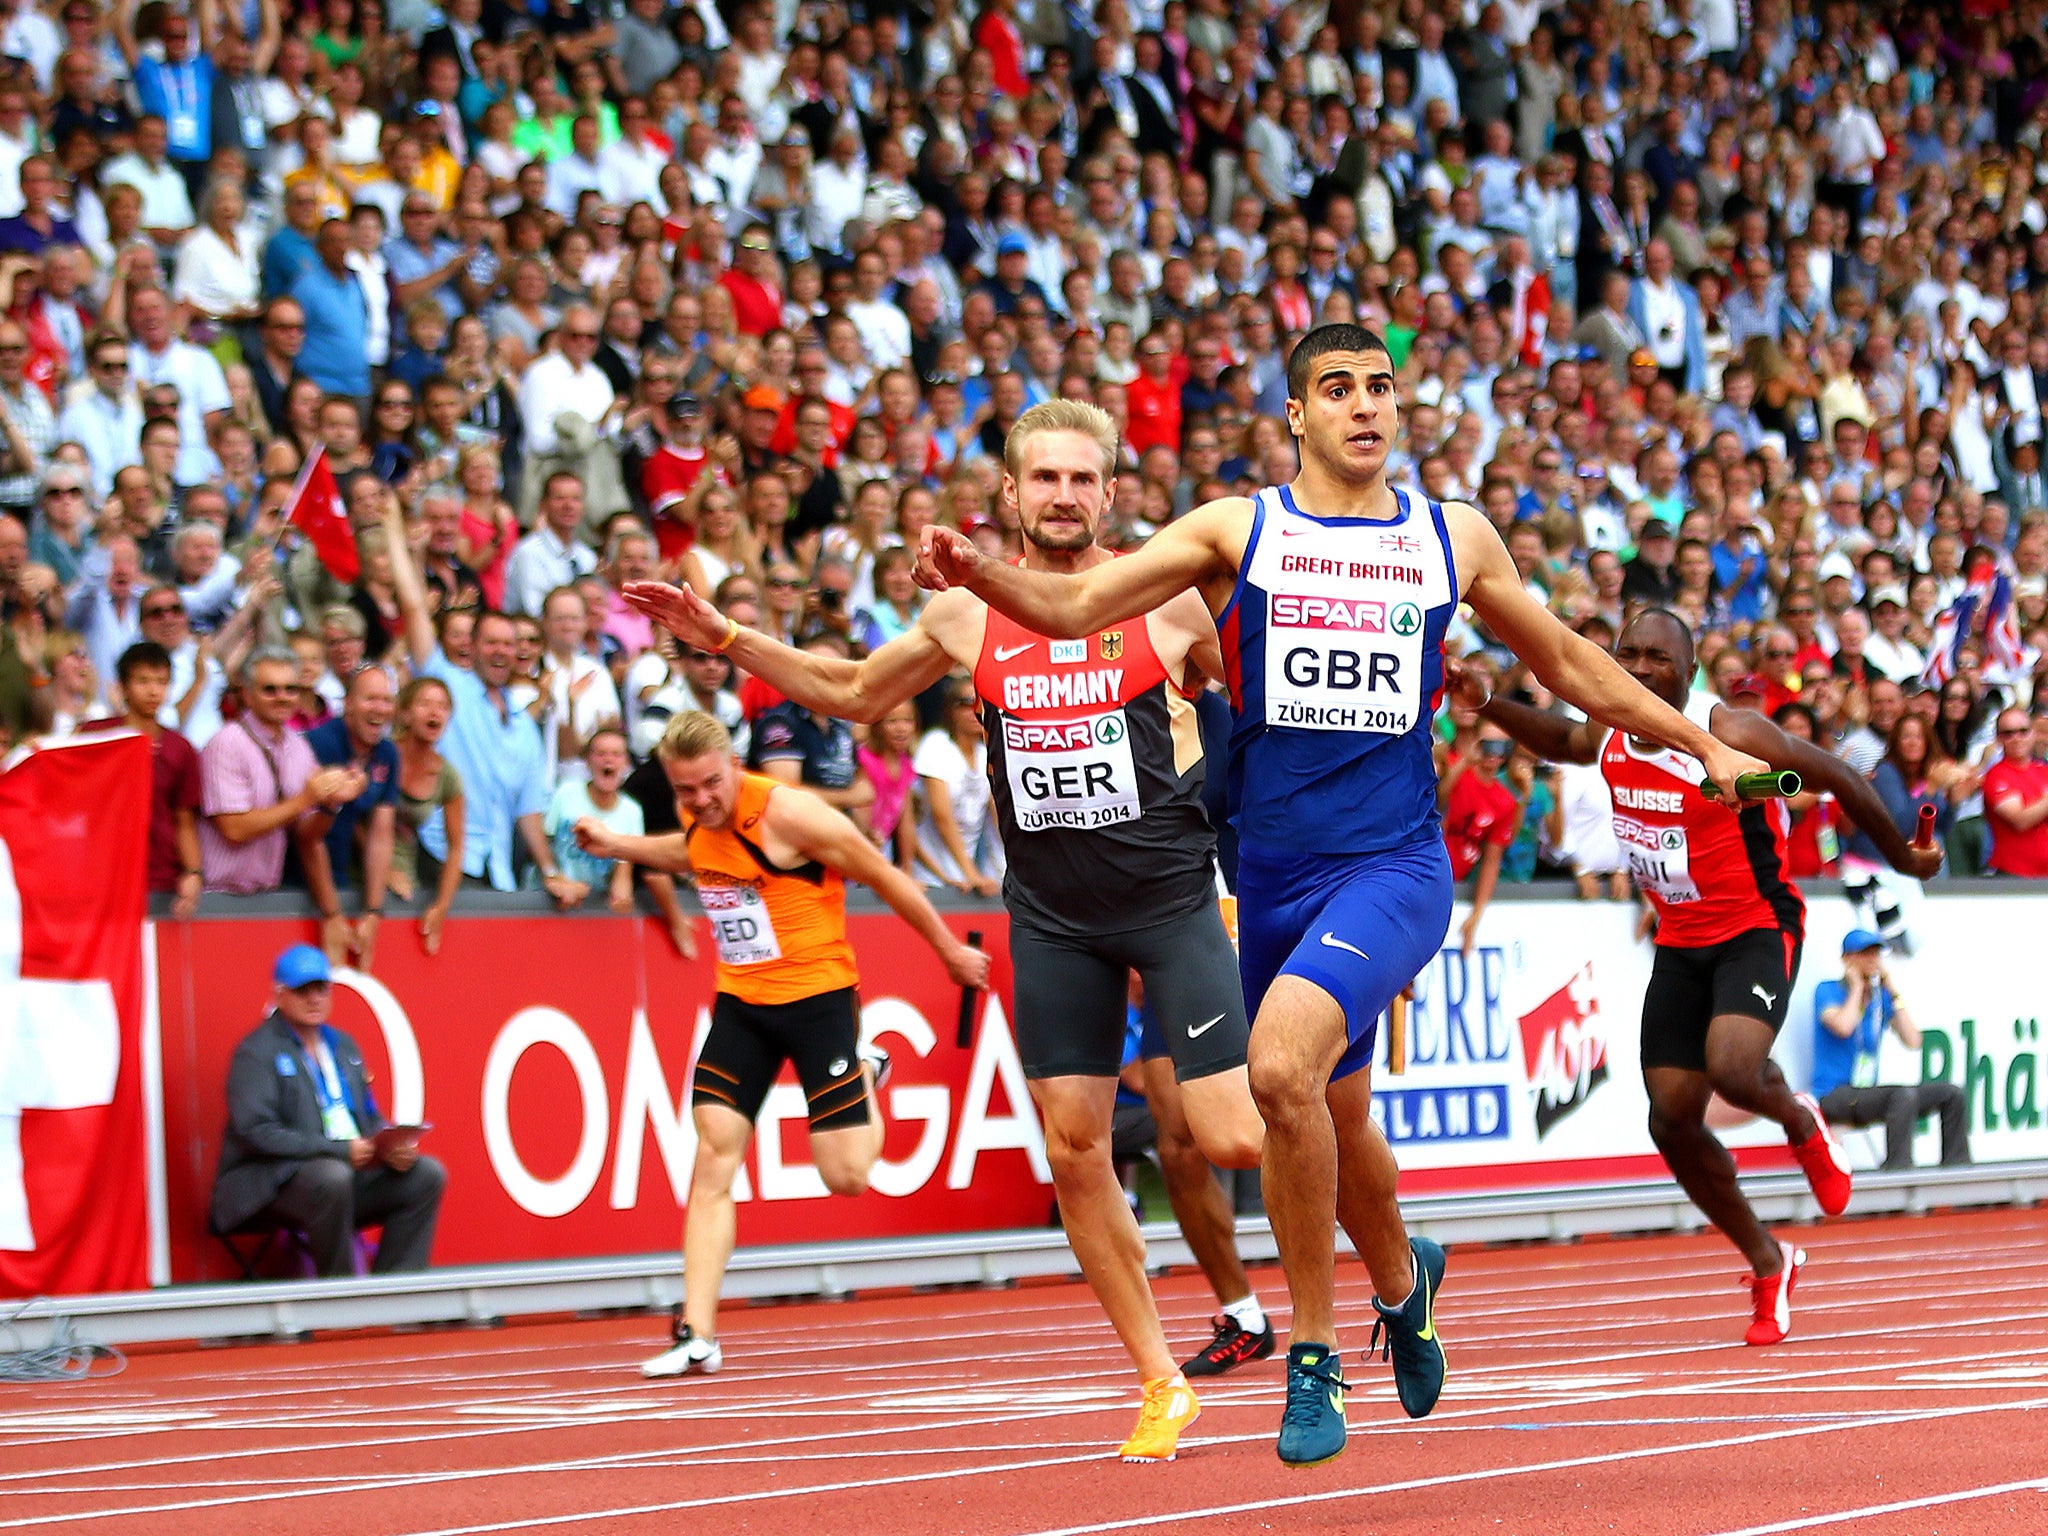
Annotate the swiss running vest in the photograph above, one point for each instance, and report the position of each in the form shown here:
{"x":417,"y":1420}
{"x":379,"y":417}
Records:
{"x":1711,"y":872}
{"x":1333,"y":641}
{"x":1095,"y":759}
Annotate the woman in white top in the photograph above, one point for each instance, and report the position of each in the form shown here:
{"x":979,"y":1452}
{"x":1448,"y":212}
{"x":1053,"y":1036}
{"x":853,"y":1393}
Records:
{"x":358,"y":132}
{"x":956,"y":836}
{"x":217,"y":276}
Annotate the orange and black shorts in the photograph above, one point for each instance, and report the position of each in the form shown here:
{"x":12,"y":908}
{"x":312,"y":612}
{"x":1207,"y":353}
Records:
{"x":748,"y":1043}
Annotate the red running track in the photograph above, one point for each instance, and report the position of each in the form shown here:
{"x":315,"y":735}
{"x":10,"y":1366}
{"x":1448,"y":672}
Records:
{"x":1594,"y":1388}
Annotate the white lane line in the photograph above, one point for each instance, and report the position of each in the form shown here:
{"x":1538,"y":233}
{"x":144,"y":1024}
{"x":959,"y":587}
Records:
{"x":1870,"y":1511}
{"x":1446,"y":1480}
{"x":628,"y":1460}
{"x":1762,"y":1376}
{"x":1828,"y":1303}
{"x":1179,"y":1517}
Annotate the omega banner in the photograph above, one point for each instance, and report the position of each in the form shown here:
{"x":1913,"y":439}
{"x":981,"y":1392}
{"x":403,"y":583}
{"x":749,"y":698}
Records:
{"x":552,"y":1057}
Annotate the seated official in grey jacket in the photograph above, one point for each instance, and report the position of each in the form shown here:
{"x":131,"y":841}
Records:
{"x":301,"y":1144}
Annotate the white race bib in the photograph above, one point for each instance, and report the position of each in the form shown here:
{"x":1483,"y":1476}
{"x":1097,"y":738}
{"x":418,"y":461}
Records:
{"x":1071,"y":773}
{"x":1658,"y":859}
{"x":740,"y":924}
{"x":1347,"y":607}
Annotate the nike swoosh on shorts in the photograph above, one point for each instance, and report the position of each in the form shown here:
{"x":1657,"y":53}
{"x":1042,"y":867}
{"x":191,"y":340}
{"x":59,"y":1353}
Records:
{"x":1336,"y":943}
{"x":1196,"y":1033}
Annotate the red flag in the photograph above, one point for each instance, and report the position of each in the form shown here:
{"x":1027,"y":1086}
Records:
{"x":316,"y":508}
{"x":74,"y":830}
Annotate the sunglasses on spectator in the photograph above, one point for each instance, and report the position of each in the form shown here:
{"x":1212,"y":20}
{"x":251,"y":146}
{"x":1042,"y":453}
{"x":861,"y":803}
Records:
{"x":581,"y":335}
{"x":273,"y":689}
{"x":2015,"y":730}
{"x":161,"y":610}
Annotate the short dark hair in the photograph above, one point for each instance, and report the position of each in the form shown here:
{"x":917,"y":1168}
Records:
{"x":1324,"y":339}
{"x":143,"y":653}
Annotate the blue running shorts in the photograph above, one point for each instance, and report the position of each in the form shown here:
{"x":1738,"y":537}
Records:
{"x":1360,"y":926}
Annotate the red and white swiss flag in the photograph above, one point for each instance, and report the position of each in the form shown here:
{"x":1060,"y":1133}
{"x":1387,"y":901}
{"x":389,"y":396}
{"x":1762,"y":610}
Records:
{"x":74,"y":829}
{"x":316,"y":508}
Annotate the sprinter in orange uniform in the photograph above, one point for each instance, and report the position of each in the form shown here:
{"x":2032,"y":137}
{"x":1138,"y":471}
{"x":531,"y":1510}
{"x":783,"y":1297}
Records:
{"x":771,"y":862}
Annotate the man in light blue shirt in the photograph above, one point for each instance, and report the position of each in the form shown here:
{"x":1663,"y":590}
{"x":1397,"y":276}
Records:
{"x":1850,"y":1017}
{"x":336,"y":354}
{"x":106,"y":421}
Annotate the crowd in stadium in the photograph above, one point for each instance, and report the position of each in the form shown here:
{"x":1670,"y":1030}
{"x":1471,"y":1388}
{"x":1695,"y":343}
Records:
{"x":1732,"y":306}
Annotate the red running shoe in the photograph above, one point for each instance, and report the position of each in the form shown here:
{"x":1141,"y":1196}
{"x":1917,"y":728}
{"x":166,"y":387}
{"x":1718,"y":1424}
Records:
{"x":1826,"y":1164}
{"x":1771,"y":1299}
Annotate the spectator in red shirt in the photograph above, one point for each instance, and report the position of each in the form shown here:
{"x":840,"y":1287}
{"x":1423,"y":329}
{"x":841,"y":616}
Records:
{"x":2016,"y":801}
{"x":145,"y":674}
{"x":756,"y":300}
{"x":1481,"y":816}
{"x":1153,"y":400}
{"x":996,"y":31}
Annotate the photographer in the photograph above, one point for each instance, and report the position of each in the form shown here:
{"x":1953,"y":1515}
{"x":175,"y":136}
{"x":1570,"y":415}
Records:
{"x":1851,"y":1016}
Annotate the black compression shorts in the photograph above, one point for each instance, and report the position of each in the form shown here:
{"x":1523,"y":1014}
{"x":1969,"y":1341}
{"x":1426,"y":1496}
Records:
{"x":1750,"y":974}
{"x":1071,"y":996}
{"x":748,"y":1043}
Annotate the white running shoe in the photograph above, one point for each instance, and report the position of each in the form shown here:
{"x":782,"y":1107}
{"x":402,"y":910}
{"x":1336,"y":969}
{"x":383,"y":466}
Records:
{"x":688,"y":1353}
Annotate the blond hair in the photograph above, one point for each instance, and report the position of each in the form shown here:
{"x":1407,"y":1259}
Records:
{"x":693,"y":734}
{"x":1091,"y":421}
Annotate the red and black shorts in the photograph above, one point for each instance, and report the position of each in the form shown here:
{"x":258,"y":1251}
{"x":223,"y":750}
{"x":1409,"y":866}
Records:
{"x":748,"y":1042}
{"x":1750,"y":975}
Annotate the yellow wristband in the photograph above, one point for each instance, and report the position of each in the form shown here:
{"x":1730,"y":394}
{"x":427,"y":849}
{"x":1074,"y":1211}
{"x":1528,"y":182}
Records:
{"x":732,"y":633}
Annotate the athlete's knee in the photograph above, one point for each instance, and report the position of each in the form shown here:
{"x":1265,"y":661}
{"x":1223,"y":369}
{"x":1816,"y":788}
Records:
{"x":1673,"y":1128}
{"x":846,"y":1178}
{"x":712,"y":1174}
{"x":1076,"y":1145}
{"x":1282,"y":1084}
{"x":1232,"y":1146}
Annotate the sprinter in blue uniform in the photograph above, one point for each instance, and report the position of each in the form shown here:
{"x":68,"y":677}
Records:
{"x":1331,"y":596}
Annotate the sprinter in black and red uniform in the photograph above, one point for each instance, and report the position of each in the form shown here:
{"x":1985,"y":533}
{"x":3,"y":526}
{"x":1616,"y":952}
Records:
{"x":1729,"y":928}
{"x":1095,"y":757}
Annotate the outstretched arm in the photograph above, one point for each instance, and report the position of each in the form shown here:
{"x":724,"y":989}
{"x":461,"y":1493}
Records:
{"x":410,"y":590}
{"x":1571,"y":666}
{"x":817,"y":832}
{"x":1551,"y":736}
{"x":861,"y":691}
{"x":1750,"y":732}
{"x":1199,"y":550}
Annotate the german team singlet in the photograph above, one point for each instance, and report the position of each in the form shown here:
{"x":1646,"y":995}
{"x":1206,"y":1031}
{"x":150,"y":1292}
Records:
{"x":1095,"y":758}
{"x":1333,"y":641}
{"x":1710,"y":871}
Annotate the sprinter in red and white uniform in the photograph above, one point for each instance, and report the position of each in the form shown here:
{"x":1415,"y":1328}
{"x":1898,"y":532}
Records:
{"x":1095,"y":759}
{"x":1729,"y":928}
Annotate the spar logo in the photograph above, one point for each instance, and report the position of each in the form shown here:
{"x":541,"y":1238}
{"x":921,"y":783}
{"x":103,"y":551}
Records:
{"x":1564,"y":1043}
{"x":1357,"y":616}
{"x":1062,"y":735}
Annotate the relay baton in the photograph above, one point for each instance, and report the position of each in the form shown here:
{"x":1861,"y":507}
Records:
{"x":1923,"y":836}
{"x":1397,"y":1033}
{"x":1758,"y":786}
{"x":963,"y":1035}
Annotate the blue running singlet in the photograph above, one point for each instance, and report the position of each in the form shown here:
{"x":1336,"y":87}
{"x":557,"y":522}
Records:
{"x":1333,"y":645}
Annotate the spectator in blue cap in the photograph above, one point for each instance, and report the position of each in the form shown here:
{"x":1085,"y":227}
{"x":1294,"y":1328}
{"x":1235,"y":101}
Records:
{"x":302,"y":1147}
{"x":1850,"y":1017}
{"x":1013,"y":284}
